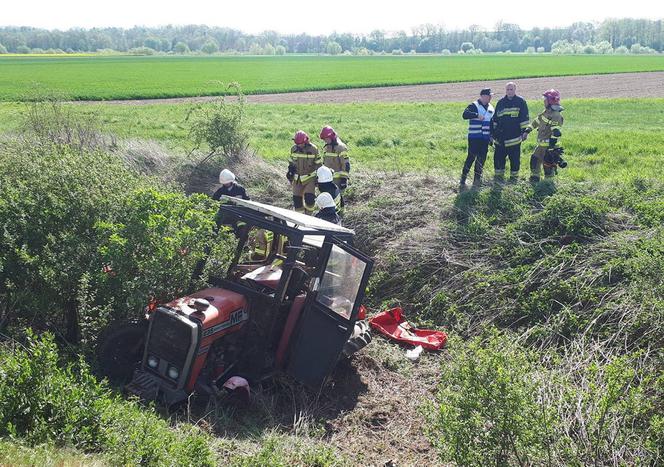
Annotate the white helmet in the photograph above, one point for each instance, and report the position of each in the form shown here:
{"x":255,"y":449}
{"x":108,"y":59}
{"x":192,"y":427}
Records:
{"x":324,"y":174}
{"x":325,"y":200}
{"x":226,"y":176}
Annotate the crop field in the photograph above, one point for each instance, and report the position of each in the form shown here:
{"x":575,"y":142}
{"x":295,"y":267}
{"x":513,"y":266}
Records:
{"x":125,"y":77}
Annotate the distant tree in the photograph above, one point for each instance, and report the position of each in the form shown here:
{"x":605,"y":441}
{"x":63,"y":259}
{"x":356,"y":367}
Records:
{"x":621,"y":50}
{"x":397,"y":52}
{"x":210,"y":47}
{"x":445,"y":52}
{"x":269,"y":49}
{"x":530,"y":50}
{"x":153,"y":43}
{"x":181,"y":48}
{"x":280,"y":50}
{"x":333,"y":48}
{"x":255,"y":49}
{"x":3,"y":50}
{"x":603,"y":47}
{"x":466,"y":46}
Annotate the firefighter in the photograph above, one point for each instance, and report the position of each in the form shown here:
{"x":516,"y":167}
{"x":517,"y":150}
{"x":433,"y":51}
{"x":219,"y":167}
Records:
{"x":324,"y":181}
{"x":335,"y":157}
{"x":479,"y":115}
{"x":229,"y":187}
{"x":328,"y":209}
{"x":547,"y":153}
{"x":304,"y":161}
{"x":508,"y":130}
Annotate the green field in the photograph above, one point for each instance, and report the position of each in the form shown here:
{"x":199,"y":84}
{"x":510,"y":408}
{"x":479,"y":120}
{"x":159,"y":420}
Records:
{"x":411,"y":137}
{"x":124,"y":77}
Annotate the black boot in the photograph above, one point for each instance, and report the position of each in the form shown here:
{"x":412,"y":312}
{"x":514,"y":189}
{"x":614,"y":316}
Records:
{"x":477,"y":181}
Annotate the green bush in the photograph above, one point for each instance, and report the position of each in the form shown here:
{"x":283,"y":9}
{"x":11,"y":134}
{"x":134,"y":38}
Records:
{"x":487,"y":410}
{"x":42,"y":401}
{"x":90,"y":214}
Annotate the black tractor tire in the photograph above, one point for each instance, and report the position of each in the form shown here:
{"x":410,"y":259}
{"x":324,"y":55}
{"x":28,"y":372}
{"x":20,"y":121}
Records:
{"x":361,"y":338}
{"x":120,"y":350}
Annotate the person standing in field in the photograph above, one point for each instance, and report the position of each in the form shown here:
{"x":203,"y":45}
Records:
{"x":335,"y":157}
{"x":302,"y":166}
{"x":479,"y":115}
{"x":548,"y":125}
{"x":508,"y":131}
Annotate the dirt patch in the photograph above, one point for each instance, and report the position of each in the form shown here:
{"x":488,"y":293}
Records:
{"x":626,"y":85}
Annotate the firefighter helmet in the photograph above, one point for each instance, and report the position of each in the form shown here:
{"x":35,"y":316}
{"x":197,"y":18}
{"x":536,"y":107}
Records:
{"x":301,"y":137}
{"x":324,"y":174}
{"x":327,"y":132}
{"x":552,"y":97}
{"x":226,"y":176}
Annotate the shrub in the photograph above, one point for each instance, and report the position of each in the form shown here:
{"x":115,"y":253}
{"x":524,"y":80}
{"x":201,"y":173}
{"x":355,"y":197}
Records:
{"x":445,"y":52}
{"x":141,"y":51}
{"x":466,"y":46}
{"x":44,"y":402}
{"x":487,"y":409}
{"x":621,"y":50}
{"x":220,"y":126}
{"x":280,"y":50}
{"x":22,"y":49}
{"x":3,"y":49}
{"x":333,"y":48}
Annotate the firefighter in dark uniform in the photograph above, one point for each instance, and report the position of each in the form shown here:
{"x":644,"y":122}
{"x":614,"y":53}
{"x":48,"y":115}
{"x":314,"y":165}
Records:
{"x":508,"y":131}
{"x":229,"y":187}
{"x":302,"y":166}
{"x":328,"y":209}
{"x":479,"y":115}
{"x":548,"y":152}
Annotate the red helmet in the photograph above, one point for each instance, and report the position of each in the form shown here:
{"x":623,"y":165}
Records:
{"x":301,"y":137}
{"x":327,"y":132}
{"x":552,"y":97}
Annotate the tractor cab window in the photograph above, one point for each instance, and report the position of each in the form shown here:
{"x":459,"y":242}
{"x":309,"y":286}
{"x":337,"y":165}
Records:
{"x":341,"y":281}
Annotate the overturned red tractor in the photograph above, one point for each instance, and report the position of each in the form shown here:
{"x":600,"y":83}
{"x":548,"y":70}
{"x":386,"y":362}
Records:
{"x":290,"y":303}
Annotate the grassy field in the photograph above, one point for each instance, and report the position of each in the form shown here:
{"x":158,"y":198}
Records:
{"x":611,"y":145}
{"x":124,"y":77}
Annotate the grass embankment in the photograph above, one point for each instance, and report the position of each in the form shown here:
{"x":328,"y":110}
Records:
{"x":125,"y":77}
{"x":604,"y":140}
{"x":552,"y":294}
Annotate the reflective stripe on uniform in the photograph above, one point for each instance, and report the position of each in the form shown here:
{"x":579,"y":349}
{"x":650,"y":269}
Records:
{"x":524,"y":124}
{"x":512,"y":142}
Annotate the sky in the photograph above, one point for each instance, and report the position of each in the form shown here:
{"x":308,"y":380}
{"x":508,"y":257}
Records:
{"x":317,"y":16}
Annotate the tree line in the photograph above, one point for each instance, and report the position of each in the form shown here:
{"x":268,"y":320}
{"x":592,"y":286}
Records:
{"x":631,"y":34}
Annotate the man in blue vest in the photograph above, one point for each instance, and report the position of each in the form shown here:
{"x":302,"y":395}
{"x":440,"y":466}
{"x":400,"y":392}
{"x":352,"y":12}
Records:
{"x":479,"y":115}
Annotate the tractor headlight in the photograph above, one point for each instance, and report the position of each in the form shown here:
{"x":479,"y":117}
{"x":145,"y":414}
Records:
{"x":173,"y":372}
{"x":153,"y":362}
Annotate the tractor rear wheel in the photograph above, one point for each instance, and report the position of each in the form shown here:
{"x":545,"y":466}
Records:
{"x":360,"y":339}
{"x":120,"y":350}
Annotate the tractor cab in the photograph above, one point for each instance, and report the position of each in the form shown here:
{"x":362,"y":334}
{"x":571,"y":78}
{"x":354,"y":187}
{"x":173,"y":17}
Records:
{"x":289,"y":301}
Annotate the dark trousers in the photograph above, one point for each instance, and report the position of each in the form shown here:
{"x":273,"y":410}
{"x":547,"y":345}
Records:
{"x":477,"y":150}
{"x":502,"y":153}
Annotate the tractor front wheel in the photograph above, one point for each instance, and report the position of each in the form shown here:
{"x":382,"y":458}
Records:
{"x":120,"y":350}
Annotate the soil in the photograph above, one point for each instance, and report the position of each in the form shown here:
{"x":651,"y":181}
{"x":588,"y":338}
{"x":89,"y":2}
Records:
{"x":620,"y":85}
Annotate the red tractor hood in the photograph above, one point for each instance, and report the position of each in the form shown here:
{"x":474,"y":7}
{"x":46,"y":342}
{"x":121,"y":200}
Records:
{"x":226,"y":309}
